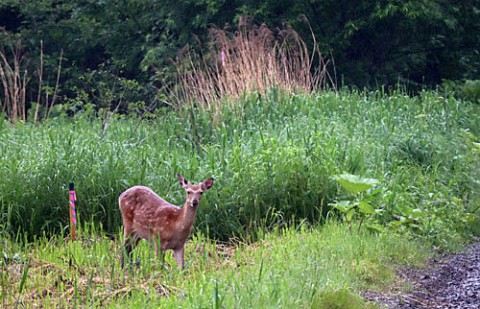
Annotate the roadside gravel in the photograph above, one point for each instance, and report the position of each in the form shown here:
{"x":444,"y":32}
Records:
{"x":451,"y":281}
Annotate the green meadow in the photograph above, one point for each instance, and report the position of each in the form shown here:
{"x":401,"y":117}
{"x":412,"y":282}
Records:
{"x":316,"y":198}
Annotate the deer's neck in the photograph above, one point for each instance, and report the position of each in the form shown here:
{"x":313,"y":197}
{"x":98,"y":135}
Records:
{"x":188,"y":214}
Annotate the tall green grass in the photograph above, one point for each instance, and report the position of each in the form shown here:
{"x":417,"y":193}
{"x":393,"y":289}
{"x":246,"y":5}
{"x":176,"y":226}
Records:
{"x":273,"y":158}
{"x":303,"y":267}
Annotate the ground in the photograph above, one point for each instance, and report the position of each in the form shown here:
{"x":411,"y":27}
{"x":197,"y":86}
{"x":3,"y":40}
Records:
{"x":450,"y":281}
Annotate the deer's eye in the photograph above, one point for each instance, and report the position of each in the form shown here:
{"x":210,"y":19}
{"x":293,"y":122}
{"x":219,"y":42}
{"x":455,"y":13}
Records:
{"x":201,"y":193}
{"x":189,"y":192}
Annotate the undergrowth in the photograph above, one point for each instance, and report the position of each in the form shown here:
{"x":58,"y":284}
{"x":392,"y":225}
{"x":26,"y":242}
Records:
{"x":302,"y":267}
{"x":274,"y":158}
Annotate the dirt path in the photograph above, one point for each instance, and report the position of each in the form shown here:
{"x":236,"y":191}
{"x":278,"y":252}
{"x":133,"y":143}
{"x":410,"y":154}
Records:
{"x":452,"y":281}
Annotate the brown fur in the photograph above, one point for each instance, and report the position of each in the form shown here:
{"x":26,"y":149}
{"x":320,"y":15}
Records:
{"x":146,"y":215}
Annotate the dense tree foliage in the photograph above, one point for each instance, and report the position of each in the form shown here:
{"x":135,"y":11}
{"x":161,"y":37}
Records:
{"x":372,"y":42}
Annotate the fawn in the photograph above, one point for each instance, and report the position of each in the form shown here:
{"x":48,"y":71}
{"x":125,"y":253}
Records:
{"x":146,"y":215}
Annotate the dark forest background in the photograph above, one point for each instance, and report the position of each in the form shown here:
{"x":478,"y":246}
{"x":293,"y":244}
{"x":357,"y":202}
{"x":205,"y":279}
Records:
{"x":88,"y":50}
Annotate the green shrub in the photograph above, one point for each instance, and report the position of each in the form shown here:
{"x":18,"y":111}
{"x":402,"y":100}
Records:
{"x":339,"y":299}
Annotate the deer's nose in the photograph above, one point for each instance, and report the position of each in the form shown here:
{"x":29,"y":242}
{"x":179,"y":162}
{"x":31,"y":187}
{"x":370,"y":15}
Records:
{"x":195,"y":202}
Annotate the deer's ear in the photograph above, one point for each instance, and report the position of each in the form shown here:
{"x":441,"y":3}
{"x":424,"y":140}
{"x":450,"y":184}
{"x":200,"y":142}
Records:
{"x":183,"y":181}
{"x":207,"y":184}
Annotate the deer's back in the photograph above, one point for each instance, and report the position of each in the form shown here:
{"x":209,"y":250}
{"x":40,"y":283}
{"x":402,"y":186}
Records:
{"x":146,"y":212}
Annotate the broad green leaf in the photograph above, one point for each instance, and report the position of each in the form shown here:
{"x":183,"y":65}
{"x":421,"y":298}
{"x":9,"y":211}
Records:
{"x":374,"y":227}
{"x":355,"y":184}
{"x":343,"y":206}
{"x":365,"y":208}
{"x":350,"y":214}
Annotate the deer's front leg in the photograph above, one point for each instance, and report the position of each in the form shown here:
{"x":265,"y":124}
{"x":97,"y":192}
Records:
{"x":178,"y":254}
{"x":159,"y":253}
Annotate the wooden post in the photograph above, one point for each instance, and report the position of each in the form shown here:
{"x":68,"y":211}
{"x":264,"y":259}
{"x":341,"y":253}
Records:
{"x":73,"y":213}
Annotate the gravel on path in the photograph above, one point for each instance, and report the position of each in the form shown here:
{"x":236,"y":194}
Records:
{"x":451,"y":281}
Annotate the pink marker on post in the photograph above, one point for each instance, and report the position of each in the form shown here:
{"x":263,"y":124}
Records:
{"x":73,"y":213}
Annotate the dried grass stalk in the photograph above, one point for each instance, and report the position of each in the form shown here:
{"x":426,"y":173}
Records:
{"x":252,"y":59}
{"x":14,"y":81}
{"x":14,"y":84}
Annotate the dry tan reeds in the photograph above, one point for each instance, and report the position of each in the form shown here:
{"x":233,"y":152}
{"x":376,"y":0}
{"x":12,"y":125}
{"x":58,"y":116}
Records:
{"x":14,"y":78}
{"x":251,"y":59}
{"x":14,"y":84}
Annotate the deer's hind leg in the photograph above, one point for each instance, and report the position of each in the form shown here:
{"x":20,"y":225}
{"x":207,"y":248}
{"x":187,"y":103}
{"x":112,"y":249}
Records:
{"x":130,"y":242}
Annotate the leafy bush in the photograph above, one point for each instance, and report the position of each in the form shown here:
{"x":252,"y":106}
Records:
{"x":467,"y":90}
{"x":471,"y":90}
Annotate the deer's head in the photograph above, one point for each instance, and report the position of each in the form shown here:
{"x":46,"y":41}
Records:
{"x":194,"y":191}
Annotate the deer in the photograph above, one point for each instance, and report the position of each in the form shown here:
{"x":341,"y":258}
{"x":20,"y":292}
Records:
{"x":145,"y":215}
